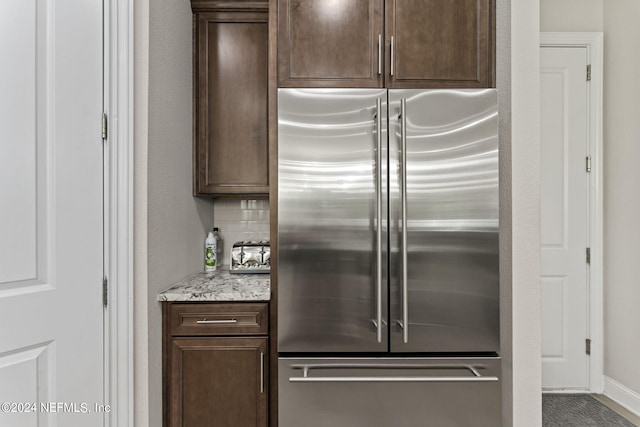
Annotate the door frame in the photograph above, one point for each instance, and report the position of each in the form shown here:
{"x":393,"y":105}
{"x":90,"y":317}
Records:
{"x":593,"y":42}
{"x":118,"y":90}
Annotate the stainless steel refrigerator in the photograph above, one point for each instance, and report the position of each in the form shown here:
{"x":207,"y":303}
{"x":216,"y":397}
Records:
{"x":388,"y":275}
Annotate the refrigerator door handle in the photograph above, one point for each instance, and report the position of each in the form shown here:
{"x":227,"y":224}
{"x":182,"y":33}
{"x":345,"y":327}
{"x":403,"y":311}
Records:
{"x":378,"y":320}
{"x":404,"y":323}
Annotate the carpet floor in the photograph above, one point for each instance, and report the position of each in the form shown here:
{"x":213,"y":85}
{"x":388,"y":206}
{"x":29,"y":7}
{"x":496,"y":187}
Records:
{"x":579,"y":410}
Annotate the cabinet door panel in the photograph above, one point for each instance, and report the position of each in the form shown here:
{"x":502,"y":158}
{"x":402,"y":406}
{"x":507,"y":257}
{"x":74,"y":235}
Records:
{"x":440,"y":43}
{"x":231,"y":92}
{"x":219,"y":381}
{"x":329,"y":43}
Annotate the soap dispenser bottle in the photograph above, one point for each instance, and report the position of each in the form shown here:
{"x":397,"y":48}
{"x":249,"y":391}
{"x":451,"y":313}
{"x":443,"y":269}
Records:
{"x":210,"y":253}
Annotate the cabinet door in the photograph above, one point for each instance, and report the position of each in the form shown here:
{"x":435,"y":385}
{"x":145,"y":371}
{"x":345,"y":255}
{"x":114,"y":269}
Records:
{"x":219,"y":382}
{"x":230,"y":93}
{"x":440,"y":43}
{"x":328,"y":43}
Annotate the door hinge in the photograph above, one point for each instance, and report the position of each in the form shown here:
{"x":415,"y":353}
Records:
{"x":589,"y":72}
{"x":588,"y":255}
{"x":588,"y":163}
{"x":105,"y":126}
{"x":588,"y":346}
{"x":105,"y":291}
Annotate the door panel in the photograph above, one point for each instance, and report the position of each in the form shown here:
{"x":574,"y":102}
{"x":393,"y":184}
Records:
{"x":327,"y":226}
{"x":51,"y":251}
{"x":564,"y":221}
{"x":20,"y":127}
{"x":452,"y":287}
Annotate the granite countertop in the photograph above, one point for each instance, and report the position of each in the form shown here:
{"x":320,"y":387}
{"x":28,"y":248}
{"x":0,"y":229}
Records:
{"x":219,"y":286}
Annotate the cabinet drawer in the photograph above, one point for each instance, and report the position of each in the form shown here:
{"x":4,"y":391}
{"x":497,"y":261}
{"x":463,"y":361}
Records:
{"x":191,"y":319}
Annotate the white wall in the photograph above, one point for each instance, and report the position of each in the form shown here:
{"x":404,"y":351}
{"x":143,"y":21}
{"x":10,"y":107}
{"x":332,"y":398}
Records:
{"x":621,"y":192}
{"x":175,"y":221}
{"x":571,"y":15}
{"x":525,"y":384}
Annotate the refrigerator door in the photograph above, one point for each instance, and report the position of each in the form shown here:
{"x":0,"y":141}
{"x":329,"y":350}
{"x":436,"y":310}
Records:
{"x":332,"y":249}
{"x":380,"y":392}
{"x":444,"y":221}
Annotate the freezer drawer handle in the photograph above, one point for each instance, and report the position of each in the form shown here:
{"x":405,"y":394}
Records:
{"x":208,"y":322}
{"x":477,"y":377}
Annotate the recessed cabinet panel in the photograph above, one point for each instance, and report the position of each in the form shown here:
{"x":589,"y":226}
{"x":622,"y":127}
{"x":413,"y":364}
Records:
{"x":439,"y":43}
{"x":221,"y":382}
{"x":329,"y":43}
{"x":232,"y":104}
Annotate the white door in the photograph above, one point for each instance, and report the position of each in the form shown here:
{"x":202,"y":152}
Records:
{"x":51,"y":213}
{"x":564,"y":217}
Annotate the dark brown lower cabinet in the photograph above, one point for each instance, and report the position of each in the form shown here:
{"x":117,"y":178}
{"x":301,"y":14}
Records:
{"x":219,"y":381}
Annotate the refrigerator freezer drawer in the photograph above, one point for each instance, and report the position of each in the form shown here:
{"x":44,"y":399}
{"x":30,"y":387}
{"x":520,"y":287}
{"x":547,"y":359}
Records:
{"x":383,"y":392}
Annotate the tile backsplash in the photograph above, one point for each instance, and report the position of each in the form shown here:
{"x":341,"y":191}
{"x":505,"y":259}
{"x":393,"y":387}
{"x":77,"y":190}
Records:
{"x":240,"y":220}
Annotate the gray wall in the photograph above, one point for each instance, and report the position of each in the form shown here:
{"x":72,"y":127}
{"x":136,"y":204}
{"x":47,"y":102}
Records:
{"x":622,"y":192}
{"x":176,"y":221}
{"x":571,"y":15}
{"x":619,"y":22}
{"x":140,"y":259}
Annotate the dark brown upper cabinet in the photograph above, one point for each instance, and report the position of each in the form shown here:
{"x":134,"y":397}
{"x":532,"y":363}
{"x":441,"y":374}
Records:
{"x":439,"y":43}
{"x":329,"y":43}
{"x":425,"y":43}
{"x":231,"y":81}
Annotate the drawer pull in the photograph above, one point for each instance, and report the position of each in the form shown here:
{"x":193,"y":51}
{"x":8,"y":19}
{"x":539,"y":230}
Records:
{"x":216,"y":322}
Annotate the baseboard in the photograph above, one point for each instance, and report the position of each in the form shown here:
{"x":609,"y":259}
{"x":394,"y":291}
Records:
{"x":622,"y":395}
{"x":565,"y":391}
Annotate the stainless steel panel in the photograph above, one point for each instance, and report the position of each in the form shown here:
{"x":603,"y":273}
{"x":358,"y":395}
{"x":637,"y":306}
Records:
{"x":383,"y":392}
{"x":452,"y":220}
{"x":328,"y":221}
